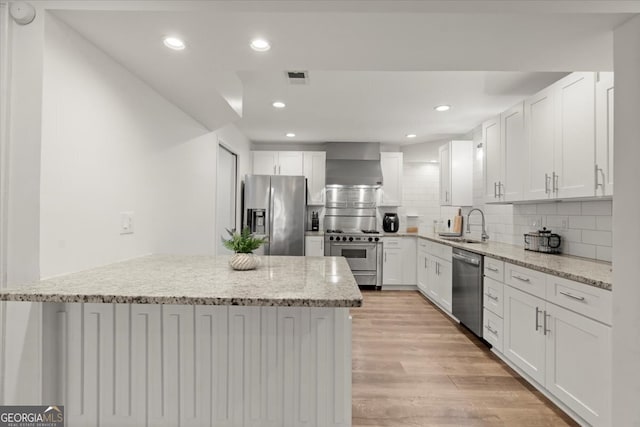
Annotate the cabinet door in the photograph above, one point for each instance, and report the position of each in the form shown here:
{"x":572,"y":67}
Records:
{"x":604,"y":135}
{"x":539,"y":115}
{"x":524,"y":340}
{"x":314,"y":246}
{"x":423,"y":271}
{"x":578,"y":369}
{"x":492,"y":171}
{"x":574,"y":154}
{"x":445,"y":283}
{"x":290,"y":163}
{"x":513,"y":148}
{"x":265,"y":162}
{"x":445,"y":175}
{"x":392,"y":266}
{"x":314,"y":170}
{"x":433,"y":284}
{"x":408,"y":260}
{"x":391,"y":165}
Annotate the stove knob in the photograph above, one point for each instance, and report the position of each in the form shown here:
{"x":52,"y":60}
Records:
{"x":377,"y":238}
{"x":344,"y":239}
{"x":331,"y":238}
{"x":351,"y":239}
{"x":371,"y":239}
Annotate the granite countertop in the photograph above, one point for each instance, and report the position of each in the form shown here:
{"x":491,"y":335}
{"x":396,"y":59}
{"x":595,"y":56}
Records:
{"x":202,"y":280}
{"x":314,"y":233}
{"x":590,"y":272}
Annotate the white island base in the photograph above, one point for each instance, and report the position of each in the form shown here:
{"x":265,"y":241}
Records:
{"x":178,"y":365}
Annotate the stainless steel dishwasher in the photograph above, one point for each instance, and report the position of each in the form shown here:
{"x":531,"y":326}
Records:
{"x":467,"y":289}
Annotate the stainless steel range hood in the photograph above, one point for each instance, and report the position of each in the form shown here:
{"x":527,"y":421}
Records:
{"x":353,"y":163}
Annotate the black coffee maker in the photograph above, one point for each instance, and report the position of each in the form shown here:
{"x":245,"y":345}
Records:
{"x":390,"y":223}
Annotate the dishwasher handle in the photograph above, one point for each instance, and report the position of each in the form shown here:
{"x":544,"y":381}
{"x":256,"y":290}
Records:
{"x":472,"y":261}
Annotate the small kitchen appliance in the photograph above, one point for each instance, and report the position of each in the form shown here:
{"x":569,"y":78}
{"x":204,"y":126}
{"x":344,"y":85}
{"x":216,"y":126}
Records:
{"x":390,"y":223}
{"x":315,"y":221}
{"x":543,"y":241}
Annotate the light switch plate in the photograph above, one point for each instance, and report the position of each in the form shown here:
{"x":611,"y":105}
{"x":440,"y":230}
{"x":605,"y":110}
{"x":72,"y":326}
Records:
{"x":126,"y":222}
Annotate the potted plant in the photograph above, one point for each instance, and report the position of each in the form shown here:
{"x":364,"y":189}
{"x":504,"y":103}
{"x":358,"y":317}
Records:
{"x":243,"y":244}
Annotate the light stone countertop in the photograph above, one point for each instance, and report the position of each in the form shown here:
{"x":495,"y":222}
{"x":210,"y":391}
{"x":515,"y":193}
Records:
{"x":590,"y":272}
{"x":202,"y":280}
{"x":314,"y":233}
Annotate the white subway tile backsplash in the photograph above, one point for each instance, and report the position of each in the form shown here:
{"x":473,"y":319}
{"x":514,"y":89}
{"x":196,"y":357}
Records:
{"x":600,"y":238}
{"x":584,"y":222}
{"x":580,"y":249}
{"x":547,"y":208}
{"x":525,"y":209}
{"x":555,"y":222}
{"x":569,"y":208}
{"x":599,"y":207}
{"x":604,"y":223}
{"x":571,"y":235}
{"x":603,"y":253}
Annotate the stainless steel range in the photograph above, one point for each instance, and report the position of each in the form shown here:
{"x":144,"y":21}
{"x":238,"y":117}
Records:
{"x":351,"y":232}
{"x":363,"y":251}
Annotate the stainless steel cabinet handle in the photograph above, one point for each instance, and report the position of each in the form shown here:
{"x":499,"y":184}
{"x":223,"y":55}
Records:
{"x":572,"y":296}
{"x":493,"y":297}
{"x":425,"y":263}
{"x":500,"y":185}
{"x":490,"y":268}
{"x":556,"y":179}
{"x":279,"y":170}
{"x":495,"y":190}
{"x":274,"y":169}
{"x":493,"y":331}
{"x":523,"y":279}
{"x":537,"y":320}
{"x":546,"y":183}
{"x":385,"y":257}
{"x":545,"y":322}
{"x":446,"y":196}
{"x":595,"y":172}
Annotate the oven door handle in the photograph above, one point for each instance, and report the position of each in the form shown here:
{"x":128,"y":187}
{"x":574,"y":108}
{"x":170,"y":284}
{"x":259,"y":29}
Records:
{"x":369,"y":245}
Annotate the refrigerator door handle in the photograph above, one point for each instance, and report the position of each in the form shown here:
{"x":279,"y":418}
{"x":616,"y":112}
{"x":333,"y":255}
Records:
{"x":271,"y":215}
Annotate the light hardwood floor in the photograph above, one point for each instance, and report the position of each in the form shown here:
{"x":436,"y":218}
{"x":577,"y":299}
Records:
{"x":413,"y":366}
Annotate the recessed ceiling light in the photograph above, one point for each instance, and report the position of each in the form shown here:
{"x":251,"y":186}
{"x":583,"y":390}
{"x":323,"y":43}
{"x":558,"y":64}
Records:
{"x":411,"y":135}
{"x":279,"y":104}
{"x":291,"y":135}
{"x":442,"y":108}
{"x":260,"y":45}
{"x":174,"y":43}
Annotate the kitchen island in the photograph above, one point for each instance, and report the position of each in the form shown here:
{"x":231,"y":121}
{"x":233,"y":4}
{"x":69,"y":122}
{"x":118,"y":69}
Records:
{"x":185,"y":340}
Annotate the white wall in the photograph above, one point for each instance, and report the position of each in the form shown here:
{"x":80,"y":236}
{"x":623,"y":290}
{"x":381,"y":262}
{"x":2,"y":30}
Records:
{"x":111,"y":144}
{"x":626,"y":233}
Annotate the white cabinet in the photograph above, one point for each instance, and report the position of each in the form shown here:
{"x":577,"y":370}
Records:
{"x":399,"y":261}
{"x":422,"y":267}
{"x":314,"y":170}
{"x":392,"y":169}
{"x":560,"y":123}
{"x":513,"y":144}
{"x":435,"y":273}
{"x":444,"y":277}
{"x":492,"y":173}
{"x":314,"y":246}
{"x":604,"y":135}
{"x":493,"y":303}
{"x":540,"y":125}
{"x":557,"y":332}
{"x":456,"y":173}
{"x":278,"y":163}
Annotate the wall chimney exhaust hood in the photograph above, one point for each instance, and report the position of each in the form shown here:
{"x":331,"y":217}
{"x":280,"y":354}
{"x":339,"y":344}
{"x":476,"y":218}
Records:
{"x":353,"y":164}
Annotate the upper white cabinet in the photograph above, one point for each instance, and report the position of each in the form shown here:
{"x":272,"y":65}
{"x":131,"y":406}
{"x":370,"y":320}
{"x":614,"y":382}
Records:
{"x":314,"y":170}
{"x":391,"y":164}
{"x":513,"y":145}
{"x":604,"y":134}
{"x":560,"y":123}
{"x":504,"y":143}
{"x":492,"y":172}
{"x":456,"y":173}
{"x":278,"y":163}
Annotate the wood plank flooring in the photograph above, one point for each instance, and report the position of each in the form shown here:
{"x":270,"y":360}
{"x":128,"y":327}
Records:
{"x":413,"y":366}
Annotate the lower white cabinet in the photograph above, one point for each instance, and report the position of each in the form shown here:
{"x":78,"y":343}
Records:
{"x":399,"y":261}
{"x":435,"y":273}
{"x":562,"y":348}
{"x":422,"y":266}
{"x":314,"y":246}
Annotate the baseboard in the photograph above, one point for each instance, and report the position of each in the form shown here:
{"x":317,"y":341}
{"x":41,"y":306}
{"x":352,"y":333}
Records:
{"x":399,"y":287}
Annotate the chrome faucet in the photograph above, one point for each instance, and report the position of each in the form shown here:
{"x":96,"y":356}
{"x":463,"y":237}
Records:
{"x":485,"y":236}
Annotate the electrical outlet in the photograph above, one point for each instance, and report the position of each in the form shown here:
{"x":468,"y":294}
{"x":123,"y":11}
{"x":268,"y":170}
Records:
{"x":126,"y":222}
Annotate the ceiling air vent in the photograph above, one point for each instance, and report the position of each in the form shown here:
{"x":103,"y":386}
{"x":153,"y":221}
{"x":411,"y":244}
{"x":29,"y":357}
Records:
{"x":297,"y":77}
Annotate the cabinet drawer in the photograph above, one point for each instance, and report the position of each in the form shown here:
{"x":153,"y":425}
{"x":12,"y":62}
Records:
{"x":583,"y":299}
{"x":493,"y":329}
{"x":423,"y":244}
{"x":441,"y":251}
{"x":391,"y":242}
{"x":493,"y":296}
{"x":494,"y":269}
{"x":529,"y":281}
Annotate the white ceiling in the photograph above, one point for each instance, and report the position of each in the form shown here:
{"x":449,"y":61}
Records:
{"x":377,"y":68}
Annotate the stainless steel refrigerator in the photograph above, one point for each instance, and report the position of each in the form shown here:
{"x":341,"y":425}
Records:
{"x":274,"y":206}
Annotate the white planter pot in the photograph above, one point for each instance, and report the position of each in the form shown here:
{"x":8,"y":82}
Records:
{"x":244,"y":261}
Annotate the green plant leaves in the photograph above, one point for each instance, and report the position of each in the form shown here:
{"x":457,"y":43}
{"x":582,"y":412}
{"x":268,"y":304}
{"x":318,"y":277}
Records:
{"x":243,"y":242}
